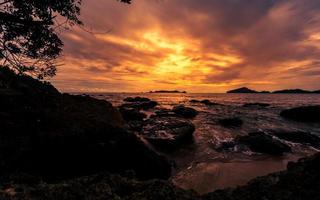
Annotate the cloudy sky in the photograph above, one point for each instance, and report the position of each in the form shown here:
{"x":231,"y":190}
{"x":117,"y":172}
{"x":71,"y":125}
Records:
{"x":192,"y":45}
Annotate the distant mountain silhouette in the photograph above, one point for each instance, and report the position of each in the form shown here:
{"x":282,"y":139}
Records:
{"x":242,"y":90}
{"x":167,"y":91}
{"x":293,"y":91}
{"x":285,"y":91}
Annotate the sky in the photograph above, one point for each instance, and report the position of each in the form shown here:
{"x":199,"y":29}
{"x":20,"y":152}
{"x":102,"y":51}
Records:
{"x":201,"y":46}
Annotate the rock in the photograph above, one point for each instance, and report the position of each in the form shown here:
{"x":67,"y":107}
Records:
{"x":302,"y":114}
{"x":135,"y":125}
{"x":231,"y":122}
{"x":223,"y":146}
{"x":183,"y":111}
{"x":263,"y":143}
{"x":299,"y":137}
{"x":163,"y":112}
{"x":132,"y":114}
{"x":205,"y":102}
{"x":168,"y":133}
{"x":136,"y":99}
{"x":60,"y":136}
{"x":97,"y":187}
{"x":143,"y":105}
{"x":208,"y":103}
{"x":256,"y":105}
{"x":242,"y":90}
{"x":194,"y":101}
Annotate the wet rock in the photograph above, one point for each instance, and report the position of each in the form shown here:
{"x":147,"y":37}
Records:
{"x":168,"y":133}
{"x":303,"y":114}
{"x":143,"y":105}
{"x":136,"y":99}
{"x":263,"y":105}
{"x":183,"y":111}
{"x":225,"y":146}
{"x":231,"y":122}
{"x":209,"y":103}
{"x":194,"y":101}
{"x":132,"y":114}
{"x":299,"y":137}
{"x":163,"y":112}
{"x":205,"y":102}
{"x":263,"y":143}
{"x":135,"y":125}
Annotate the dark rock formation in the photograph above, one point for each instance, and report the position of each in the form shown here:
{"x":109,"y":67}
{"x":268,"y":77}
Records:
{"x":242,"y":90}
{"x":302,"y":114}
{"x":131,"y":114}
{"x":163,"y":112}
{"x":263,"y":143}
{"x":256,"y":105}
{"x":136,"y":99}
{"x":58,"y":135}
{"x":299,"y":137}
{"x":231,"y":122}
{"x":97,"y":187}
{"x":183,"y":111}
{"x":168,"y":133}
{"x":142,"y":105}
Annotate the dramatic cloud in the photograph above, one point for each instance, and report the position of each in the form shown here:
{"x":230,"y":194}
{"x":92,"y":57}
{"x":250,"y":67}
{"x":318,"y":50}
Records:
{"x":193,"y":45}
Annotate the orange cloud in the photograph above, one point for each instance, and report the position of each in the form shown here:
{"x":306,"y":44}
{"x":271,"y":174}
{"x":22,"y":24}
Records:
{"x":210,"y":46}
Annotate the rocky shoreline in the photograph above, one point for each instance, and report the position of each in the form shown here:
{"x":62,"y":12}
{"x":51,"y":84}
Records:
{"x":53,"y":146}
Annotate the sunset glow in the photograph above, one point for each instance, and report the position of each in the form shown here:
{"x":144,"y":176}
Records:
{"x":210,"y":46}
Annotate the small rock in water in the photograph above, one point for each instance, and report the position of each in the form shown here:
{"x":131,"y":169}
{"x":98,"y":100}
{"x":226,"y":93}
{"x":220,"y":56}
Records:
{"x":231,"y":122}
{"x":183,"y":111}
{"x":168,"y":133}
{"x":208,"y":102}
{"x":130,"y":114}
{"x":136,"y":99}
{"x":299,"y":137}
{"x":263,"y":143}
{"x":144,"y":105}
{"x":256,"y":105}
{"x":302,"y":114}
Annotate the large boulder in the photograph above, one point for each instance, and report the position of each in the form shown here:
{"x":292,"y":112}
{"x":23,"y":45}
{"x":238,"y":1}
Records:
{"x":168,"y":133}
{"x":183,"y":111}
{"x":263,"y":143}
{"x":303,"y":114}
{"x":58,"y":135}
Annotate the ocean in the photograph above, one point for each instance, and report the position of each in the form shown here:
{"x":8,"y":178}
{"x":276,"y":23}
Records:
{"x":200,"y":166}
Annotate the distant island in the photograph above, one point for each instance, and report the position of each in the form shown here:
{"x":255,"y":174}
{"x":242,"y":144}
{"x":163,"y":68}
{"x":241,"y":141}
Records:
{"x":167,"y":91}
{"x":286,"y":91}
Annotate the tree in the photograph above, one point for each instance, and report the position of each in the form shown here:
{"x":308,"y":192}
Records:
{"x":29,"y":43}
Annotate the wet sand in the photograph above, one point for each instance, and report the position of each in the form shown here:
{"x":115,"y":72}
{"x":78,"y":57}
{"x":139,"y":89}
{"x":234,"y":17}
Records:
{"x":206,"y":177}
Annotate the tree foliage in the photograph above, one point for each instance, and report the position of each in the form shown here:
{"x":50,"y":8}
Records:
{"x":29,"y":42}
